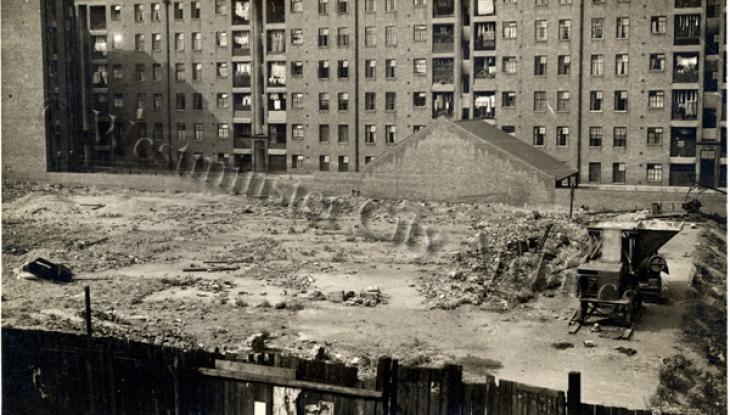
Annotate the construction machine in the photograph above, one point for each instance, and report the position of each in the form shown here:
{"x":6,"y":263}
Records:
{"x":621,"y":271}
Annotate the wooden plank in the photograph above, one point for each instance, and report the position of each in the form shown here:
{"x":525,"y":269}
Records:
{"x":479,"y":397}
{"x":491,"y":398}
{"x":254,"y":369}
{"x":424,"y":391}
{"x":435,"y":391}
{"x":343,"y":390}
{"x":536,"y":390}
{"x":467,"y":406}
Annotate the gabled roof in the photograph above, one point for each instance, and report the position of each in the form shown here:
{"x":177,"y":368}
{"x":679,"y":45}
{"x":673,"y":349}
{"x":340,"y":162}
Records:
{"x":517,"y":148}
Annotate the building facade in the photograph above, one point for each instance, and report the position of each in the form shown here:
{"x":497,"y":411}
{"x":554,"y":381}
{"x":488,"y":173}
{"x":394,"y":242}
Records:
{"x":628,"y":91}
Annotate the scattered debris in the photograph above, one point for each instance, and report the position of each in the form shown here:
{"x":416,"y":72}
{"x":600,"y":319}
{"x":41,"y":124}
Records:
{"x":562,"y":345}
{"x":47,"y":270}
{"x":626,"y":350}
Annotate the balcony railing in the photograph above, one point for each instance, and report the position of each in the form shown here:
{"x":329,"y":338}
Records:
{"x":689,"y":76}
{"x":443,"y":73}
{"x":242,"y":141}
{"x":687,"y":3}
{"x":275,"y":11}
{"x":443,"y":8}
{"x":242,"y":80}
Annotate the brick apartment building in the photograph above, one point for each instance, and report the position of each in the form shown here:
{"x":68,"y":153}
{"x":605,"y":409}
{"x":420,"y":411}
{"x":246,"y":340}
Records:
{"x":628,"y":91}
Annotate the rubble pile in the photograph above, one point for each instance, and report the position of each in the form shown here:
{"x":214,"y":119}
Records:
{"x":500,"y":264}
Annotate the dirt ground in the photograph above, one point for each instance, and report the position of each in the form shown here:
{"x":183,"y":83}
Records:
{"x":422,"y":302}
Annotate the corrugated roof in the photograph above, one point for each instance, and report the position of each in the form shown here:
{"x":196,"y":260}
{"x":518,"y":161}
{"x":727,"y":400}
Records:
{"x":518,"y":148}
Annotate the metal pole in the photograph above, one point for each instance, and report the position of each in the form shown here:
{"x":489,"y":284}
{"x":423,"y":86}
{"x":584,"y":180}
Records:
{"x":574,"y":393}
{"x":87,"y":295}
{"x":572,"y":198}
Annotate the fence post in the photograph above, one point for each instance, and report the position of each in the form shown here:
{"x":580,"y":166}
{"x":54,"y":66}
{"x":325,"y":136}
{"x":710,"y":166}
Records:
{"x":574,"y":393}
{"x":87,"y":315}
{"x":382,"y":382}
{"x":453,"y":390}
{"x":491,"y":399}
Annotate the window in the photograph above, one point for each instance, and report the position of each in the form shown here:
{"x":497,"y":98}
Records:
{"x":297,"y":161}
{"x":538,"y":136}
{"x":390,"y":134}
{"x":342,"y":7}
{"x":297,"y":100}
{"x":343,"y":37}
{"x":622,"y":64}
{"x":241,"y":43}
{"x":596,"y":102}
{"x":139,"y":43}
{"x":621,"y":101}
{"x":276,"y":42}
{"x":180,"y":102}
{"x":370,"y":66}
{"x":419,"y":66}
{"x":541,"y":30}
{"x":297,"y":131}
{"x":657,"y":62}
{"x":390,"y":65}
{"x":687,"y":29}
{"x":656,"y":99}
{"x":155,"y":12}
{"x":370,"y":36}
{"x":597,"y":28}
{"x":343,"y":101}
{"x":370,"y":134}
{"x":391,"y":36}
{"x":324,"y":133}
{"x":157,"y":131}
{"x":277,"y":102}
{"x":619,"y":173}
{"x":324,"y":163}
{"x":654,"y":136}
{"x":118,"y":101}
{"x":370,"y":101}
{"x":195,"y":10}
{"x":220,"y":7}
{"x":222,"y":69}
{"x":323,"y":71}
{"x":597,"y":65}
{"x":156,"y":72}
{"x":343,"y":163}
{"x":222,"y":100}
{"x":178,"y":10}
{"x":323,"y":37}
{"x":658,"y":25}
{"x":197,"y":71}
{"x":179,"y":71}
{"x":540,"y":101}
{"x":138,"y":13}
{"x":221,"y":39}
{"x":139,"y":72}
{"x":197,"y":101}
{"x":540,"y":65}
{"x":564,"y":65}
{"x":564,"y":28}
{"x":297,"y":69}
{"x":297,"y":36}
{"x":179,"y":42}
{"x":619,"y":136}
{"x":324,"y":101}
{"x":116,"y":13}
{"x":419,"y":99}
{"x":509,"y":99}
{"x":343,"y":69}
{"x":156,"y":42}
{"x":594,"y":172}
{"x":322,"y":7}
{"x":419,"y":33}
{"x":622,"y":28}
{"x":509,"y":64}
{"x":390,"y":5}
{"x":654,"y":173}
{"x":390,"y":101}
{"x":296,"y":6}
{"x":116,"y":42}
{"x":343,"y":133}
{"x":509,"y":30}
{"x":595,"y":136}
{"x":180,"y":131}
{"x":118,"y":71}
{"x":370,"y":6}
{"x":562,"y":134}
{"x":223,"y":130}
{"x":563,"y":104}
{"x":684,"y":104}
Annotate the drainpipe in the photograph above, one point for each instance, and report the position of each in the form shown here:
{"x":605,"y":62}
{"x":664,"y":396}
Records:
{"x":357,"y":86}
{"x":580,"y":89}
{"x":169,"y":92}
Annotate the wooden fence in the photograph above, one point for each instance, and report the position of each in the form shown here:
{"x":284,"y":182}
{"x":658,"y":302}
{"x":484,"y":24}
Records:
{"x":59,"y":373}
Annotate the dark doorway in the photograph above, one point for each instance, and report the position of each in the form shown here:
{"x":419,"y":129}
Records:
{"x":707,"y":168}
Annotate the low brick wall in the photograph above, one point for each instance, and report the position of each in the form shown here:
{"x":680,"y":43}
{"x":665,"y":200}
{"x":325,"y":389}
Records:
{"x":343,"y":184}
